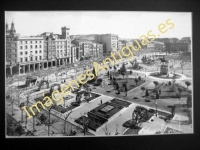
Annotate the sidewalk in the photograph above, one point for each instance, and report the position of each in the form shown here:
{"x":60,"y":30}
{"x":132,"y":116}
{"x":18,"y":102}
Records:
{"x":179,"y":123}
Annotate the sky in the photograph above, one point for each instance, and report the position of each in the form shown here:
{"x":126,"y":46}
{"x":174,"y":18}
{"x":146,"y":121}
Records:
{"x":127,"y":24}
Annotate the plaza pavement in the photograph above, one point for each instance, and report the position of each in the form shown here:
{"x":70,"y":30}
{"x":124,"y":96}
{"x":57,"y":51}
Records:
{"x":114,"y":124}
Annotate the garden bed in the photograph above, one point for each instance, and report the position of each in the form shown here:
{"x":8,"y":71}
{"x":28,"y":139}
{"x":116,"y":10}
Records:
{"x":62,"y":109}
{"x":92,"y":124}
{"x":157,"y":75}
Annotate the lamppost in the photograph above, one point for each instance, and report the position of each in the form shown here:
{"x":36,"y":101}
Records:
{"x":27,"y":101}
{"x":21,"y":105}
{"x":47,"y":58}
{"x":48,"y":124}
{"x":157,"y":97}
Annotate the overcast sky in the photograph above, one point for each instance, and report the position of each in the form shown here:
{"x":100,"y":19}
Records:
{"x":127,"y":24}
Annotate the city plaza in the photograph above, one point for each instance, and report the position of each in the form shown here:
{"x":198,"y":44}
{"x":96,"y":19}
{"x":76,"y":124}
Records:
{"x":116,"y":118}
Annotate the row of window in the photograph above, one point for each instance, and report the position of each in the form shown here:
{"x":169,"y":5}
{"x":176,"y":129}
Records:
{"x":26,"y":42}
{"x":10,"y":44}
{"x":61,"y":42}
{"x":11,"y":50}
{"x":9,"y":56}
{"x":64,"y":46}
{"x":31,"y":46}
{"x":31,"y":58}
{"x":31,"y":52}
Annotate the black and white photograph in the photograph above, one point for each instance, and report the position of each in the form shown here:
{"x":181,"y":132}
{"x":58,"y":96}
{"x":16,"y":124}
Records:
{"x":98,"y":73}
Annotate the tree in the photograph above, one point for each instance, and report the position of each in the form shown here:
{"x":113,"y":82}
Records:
{"x":114,"y":84}
{"x":123,"y":74}
{"x":189,"y":100}
{"x":36,"y":114}
{"x":132,"y":63}
{"x":10,"y":98}
{"x":139,"y":115}
{"x":105,"y":129}
{"x":12,"y":102}
{"x":43,"y":118}
{"x":27,"y":101}
{"x":147,"y":93}
{"x":115,"y":68}
{"x":136,"y":81}
{"x":125,"y":89}
{"x":159,"y":91}
{"x":123,"y":70}
{"x":117,"y":88}
{"x":182,"y":65}
{"x":19,"y":93}
{"x":156,"y":83}
{"x":64,"y":130}
{"x":19,"y":130}
{"x":139,"y":78}
{"x":179,"y":94}
{"x":142,"y":88}
{"x":157,"y":97}
{"x":188,"y":83}
{"x":21,"y":105}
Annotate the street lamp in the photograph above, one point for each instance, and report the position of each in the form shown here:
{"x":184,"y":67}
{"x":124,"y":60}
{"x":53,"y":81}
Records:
{"x":21,"y":105}
{"x":49,"y":118}
{"x":157,"y":97}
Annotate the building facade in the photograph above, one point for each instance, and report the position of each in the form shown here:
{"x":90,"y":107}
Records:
{"x":155,"y":46}
{"x":84,"y":47}
{"x":11,"y":49}
{"x":75,"y":54}
{"x":29,"y":49}
{"x":110,"y":42}
{"x":27,"y":54}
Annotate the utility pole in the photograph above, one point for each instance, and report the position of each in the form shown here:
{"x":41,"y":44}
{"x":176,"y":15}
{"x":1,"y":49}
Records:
{"x":47,"y":57}
{"x":49,"y":119}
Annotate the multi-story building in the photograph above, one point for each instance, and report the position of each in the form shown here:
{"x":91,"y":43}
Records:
{"x":29,"y":49}
{"x":96,"y":49}
{"x":173,"y":40}
{"x":155,"y":46}
{"x":119,"y":45}
{"x":57,"y":48}
{"x":186,"y":39}
{"x":110,"y":41}
{"x":11,"y":49}
{"x":84,"y":47}
{"x":75,"y":54}
{"x":30,"y":53}
{"x":37,"y":52}
{"x":181,"y":46}
{"x":163,"y":40}
{"x":189,"y":47}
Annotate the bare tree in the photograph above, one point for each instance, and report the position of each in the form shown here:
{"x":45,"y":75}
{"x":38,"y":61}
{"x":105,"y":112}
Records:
{"x":49,"y":123}
{"x":105,"y":129}
{"x":34,"y":116}
{"x":27,"y":101}
{"x":19,"y":93}
{"x":116,"y":132}
{"x":21,"y":105}
{"x":64,"y":132}
{"x":182,"y":65}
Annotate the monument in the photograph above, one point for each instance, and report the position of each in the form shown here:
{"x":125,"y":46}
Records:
{"x":164,"y":66}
